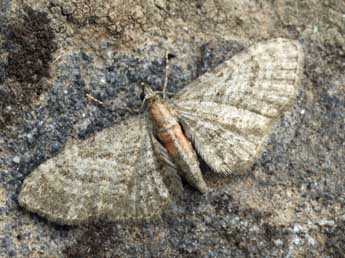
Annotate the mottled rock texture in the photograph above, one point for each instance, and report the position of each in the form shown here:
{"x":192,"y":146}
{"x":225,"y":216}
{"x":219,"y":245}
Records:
{"x":290,"y":203}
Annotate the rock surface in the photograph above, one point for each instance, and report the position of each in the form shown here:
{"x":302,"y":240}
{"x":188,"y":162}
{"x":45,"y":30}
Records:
{"x":56,"y":54}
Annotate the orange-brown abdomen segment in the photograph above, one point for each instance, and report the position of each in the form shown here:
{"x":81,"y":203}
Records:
{"x":170,"y":133}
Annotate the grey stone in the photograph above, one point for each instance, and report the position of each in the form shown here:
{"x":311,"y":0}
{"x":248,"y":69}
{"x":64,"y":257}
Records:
{"x":298,"y":178}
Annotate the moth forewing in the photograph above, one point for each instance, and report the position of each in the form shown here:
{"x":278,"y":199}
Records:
{"x":229,"y":114}
{"x":114,"y":176}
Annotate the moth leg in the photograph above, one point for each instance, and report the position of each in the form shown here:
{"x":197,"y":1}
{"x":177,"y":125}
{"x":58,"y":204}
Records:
{"x":166,"y":92}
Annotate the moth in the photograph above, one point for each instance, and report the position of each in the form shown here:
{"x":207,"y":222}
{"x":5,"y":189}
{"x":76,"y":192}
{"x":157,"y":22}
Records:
{"x":225,"y":117}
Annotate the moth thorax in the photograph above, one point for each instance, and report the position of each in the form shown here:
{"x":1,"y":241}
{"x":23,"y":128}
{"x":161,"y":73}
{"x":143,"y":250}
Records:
{"x":161,"y":114}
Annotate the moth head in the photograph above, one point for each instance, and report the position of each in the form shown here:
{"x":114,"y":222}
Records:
{"x":148,"y":94}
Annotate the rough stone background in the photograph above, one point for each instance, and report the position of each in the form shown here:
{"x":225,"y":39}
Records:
{"x":55,"y":53}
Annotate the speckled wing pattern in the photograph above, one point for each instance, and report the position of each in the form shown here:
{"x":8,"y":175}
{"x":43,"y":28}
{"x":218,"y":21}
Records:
{"x":228,"y":114}
{"x":124,"y":173}
{"x":114,"y":175}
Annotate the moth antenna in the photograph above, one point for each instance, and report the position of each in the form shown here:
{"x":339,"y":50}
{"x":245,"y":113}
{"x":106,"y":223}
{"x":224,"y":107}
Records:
{"x":95,"y":100}
{"x":166,"y":74}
